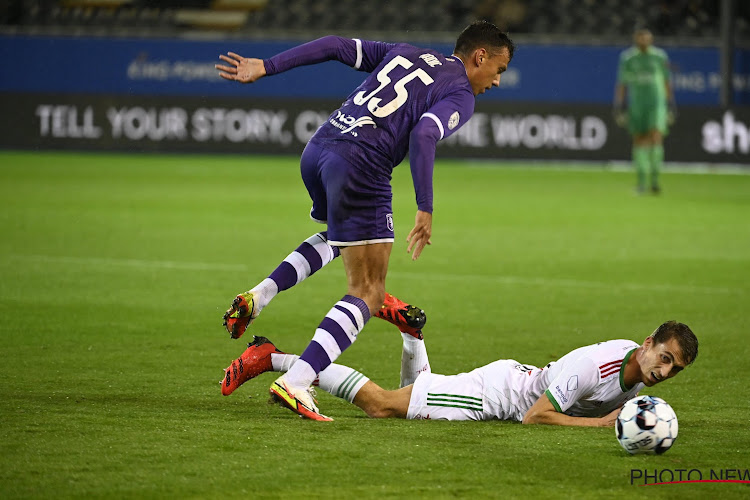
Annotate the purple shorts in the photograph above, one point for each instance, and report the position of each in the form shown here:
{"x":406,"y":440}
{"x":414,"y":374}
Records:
{"x":355,"y":205}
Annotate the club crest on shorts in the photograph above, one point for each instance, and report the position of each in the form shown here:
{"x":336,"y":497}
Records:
{"x":389,"y":221}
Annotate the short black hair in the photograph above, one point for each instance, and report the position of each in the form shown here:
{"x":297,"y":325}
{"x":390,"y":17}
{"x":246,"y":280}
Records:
{"x":482,"y":34}
{"x":686,"y":339}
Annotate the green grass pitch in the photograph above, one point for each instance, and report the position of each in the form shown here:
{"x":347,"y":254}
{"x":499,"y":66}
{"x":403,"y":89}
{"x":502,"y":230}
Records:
{"x":115,"y":271}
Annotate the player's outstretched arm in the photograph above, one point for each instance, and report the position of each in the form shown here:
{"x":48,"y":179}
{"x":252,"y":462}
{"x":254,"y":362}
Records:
{"x":441,"y":120}
{"x":241,"y":69}
{"x":422,"y":142}
{"x":359,"y":54}
{"x":543,"y":412}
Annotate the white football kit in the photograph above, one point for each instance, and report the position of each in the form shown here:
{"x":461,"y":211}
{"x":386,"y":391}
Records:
{"x":586,"y":382}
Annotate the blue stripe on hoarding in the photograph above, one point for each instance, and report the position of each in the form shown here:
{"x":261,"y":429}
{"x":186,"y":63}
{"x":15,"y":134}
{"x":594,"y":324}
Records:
{"x":163,"y":67}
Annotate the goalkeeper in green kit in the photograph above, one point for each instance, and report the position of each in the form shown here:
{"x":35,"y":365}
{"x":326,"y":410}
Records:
{"x":643,"y":77}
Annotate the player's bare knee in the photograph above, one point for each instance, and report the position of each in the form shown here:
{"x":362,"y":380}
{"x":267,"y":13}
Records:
{"x":379,"y":412}
{"x":379,"y":406}
{"x":383,"y":412}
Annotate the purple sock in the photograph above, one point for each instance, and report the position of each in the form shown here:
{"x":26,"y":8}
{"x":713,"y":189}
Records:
{"x":308,"y":258}
{"x":336,"y":332}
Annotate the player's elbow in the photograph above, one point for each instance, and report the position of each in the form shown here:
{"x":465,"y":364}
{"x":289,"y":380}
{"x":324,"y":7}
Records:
{"x":529,"y":418}
{"x":425,"y":131}
{"x":330,"y":41}
{"x":534,"y":416}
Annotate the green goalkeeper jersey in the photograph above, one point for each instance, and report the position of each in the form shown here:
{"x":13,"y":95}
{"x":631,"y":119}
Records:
{"x":645,"y":75}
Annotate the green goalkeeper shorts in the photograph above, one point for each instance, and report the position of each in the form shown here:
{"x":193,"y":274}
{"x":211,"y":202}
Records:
{"x":643,"y":119}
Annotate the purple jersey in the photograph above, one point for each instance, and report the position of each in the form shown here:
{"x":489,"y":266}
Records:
{"x":407,"y":86}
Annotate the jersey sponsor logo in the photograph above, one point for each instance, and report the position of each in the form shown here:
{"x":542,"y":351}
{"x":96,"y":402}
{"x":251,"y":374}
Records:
{"x":610,"y":368}
{"x":644,"y":78}
{"x":560,"y":394}
{"x":359,"y":122}
{"x":453,"y":120}
{"x":389,"y":221}
{"x":347,"y":123}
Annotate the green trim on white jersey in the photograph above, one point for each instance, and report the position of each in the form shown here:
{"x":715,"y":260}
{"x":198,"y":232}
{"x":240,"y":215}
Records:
{"x":553,"y":401}
{"x":622,"y":369}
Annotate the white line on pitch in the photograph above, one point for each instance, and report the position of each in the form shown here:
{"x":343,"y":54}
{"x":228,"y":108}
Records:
{"x":465,"y":278}
{"x":150,"y":264}
{"x":563,"y":283}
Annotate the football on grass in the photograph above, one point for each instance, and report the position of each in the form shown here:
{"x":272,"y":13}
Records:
{"x":646,"y":424}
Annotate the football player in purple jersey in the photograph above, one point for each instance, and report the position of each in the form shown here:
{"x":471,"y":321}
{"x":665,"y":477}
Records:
{"x":412,"y":98}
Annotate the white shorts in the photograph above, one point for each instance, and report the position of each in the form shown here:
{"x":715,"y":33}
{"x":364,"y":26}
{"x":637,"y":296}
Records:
{"x":500,"y":390}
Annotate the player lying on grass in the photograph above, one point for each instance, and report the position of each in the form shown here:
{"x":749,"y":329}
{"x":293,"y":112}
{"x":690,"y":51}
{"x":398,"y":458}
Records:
{"x":586,"y":387}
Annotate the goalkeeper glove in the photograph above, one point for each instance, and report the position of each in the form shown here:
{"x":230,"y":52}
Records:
{"x":619,"y":114}
{"x":671,"y":112}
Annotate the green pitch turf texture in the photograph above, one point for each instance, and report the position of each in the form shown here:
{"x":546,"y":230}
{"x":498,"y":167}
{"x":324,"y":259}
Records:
{"x":115,"y":271}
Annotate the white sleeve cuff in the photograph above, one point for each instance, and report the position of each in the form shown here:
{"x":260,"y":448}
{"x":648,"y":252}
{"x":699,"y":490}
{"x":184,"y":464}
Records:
{"x":358,"y":62}
{"x":436,"y":120}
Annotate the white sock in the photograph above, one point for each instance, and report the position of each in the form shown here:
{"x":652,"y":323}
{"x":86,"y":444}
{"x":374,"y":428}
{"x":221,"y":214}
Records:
{"x":341,"y":381}
{"x":413,"y":359}
{"x":310,"y":256}
{"x":300,"y":374}
{"x":282,"y":362}
{"x":266,"y":290}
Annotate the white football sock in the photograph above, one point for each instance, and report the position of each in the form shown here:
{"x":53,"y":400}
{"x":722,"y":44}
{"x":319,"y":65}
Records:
{"x":413,"y":359}
{"x":266,"y":290}
{"x":310,"y":256}
{"x":341,"y":381}
{"x":282,"y":362}
{"x":334,"y":379}
{"x":300,"y":374}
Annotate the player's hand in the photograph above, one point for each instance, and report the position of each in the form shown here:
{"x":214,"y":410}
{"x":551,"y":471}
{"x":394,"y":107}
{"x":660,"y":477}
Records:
{"x":621,"y":119}
{"x":620,"y":116}
{"x":609,"y":419}
{"x":420,"y":235}
{"x":671,"y":113}
{"x":241,"y":69}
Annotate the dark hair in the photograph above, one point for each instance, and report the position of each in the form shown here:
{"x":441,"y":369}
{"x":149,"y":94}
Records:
{"x":686,"y":339}
{"x":482,"y":34}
